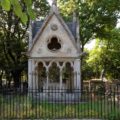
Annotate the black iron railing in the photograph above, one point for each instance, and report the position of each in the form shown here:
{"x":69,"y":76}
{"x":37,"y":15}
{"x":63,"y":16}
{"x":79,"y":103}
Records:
{"x":32,"y":104}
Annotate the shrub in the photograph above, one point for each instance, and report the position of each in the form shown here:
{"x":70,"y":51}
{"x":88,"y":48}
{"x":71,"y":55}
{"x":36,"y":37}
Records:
{"x":114,"y":116}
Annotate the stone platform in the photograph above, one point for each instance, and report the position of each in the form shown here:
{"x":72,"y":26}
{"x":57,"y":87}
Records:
{"x":58,"y":97}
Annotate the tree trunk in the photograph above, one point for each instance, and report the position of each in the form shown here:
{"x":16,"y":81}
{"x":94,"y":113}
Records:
{"x":1,"y":79}
{"x":16,"y":78}
{"x":8,"y":78}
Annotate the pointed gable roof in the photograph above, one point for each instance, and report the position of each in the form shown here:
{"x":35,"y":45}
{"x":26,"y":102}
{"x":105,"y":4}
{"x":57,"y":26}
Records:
{"x":38,"y":27}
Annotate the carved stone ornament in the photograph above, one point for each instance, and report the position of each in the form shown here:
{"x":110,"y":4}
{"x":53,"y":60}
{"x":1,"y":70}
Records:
{"x":54,"y":27}
{"x":39,"y":51}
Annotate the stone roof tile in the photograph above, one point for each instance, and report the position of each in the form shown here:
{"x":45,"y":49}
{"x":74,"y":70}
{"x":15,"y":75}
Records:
{"x":37,"y":25}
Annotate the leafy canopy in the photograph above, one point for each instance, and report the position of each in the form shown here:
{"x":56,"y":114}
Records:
{"x":106,"y":55}
{"x":19,"y":7}
{"x":96,"y":17}
{"x":14,"y":36}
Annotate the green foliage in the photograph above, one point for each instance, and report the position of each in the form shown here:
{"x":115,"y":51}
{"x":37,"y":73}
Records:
{"x":87,"y":70}
{"x":24,"y":18}
{"x":71,"y":6}
{"x":5,"y":4}
{"x":41,"y":8}
{"x":17,"y":6}
{"x":95,"y":59}
{"x":96,"y":17}
{"x":14,"y":36}
{"x":114,"y":116}
{"x":105,"y":55}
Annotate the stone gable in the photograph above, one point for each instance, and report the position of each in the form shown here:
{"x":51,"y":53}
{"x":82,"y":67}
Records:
{"x":54,"y":28}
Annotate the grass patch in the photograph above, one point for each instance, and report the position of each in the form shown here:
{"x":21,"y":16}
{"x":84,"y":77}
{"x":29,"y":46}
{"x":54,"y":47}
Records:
{"x":24,"y":107}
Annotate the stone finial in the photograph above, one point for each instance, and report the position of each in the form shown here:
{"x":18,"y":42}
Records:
{"x":74,"y":17}
{"x":54,"y":2}
{"x":54,"y":7}
{"x":78,"y":34}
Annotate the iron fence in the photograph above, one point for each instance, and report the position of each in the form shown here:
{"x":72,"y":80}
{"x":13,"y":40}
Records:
{"x":33,"y":104}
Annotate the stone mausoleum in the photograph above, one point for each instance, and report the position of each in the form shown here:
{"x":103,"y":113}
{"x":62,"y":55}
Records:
{"x":54,"y":54}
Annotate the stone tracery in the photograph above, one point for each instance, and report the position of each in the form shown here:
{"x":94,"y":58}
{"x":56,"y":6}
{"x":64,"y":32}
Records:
{"x":55,"y":73}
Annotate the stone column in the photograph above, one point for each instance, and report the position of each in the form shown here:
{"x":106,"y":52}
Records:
{"x":61,"y":82}
{"x":77,"y":76}
{"x":36,"y":80}
{"x":47,"y":73}
{"x":33,"y":76}
{"x":47,"y":82}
